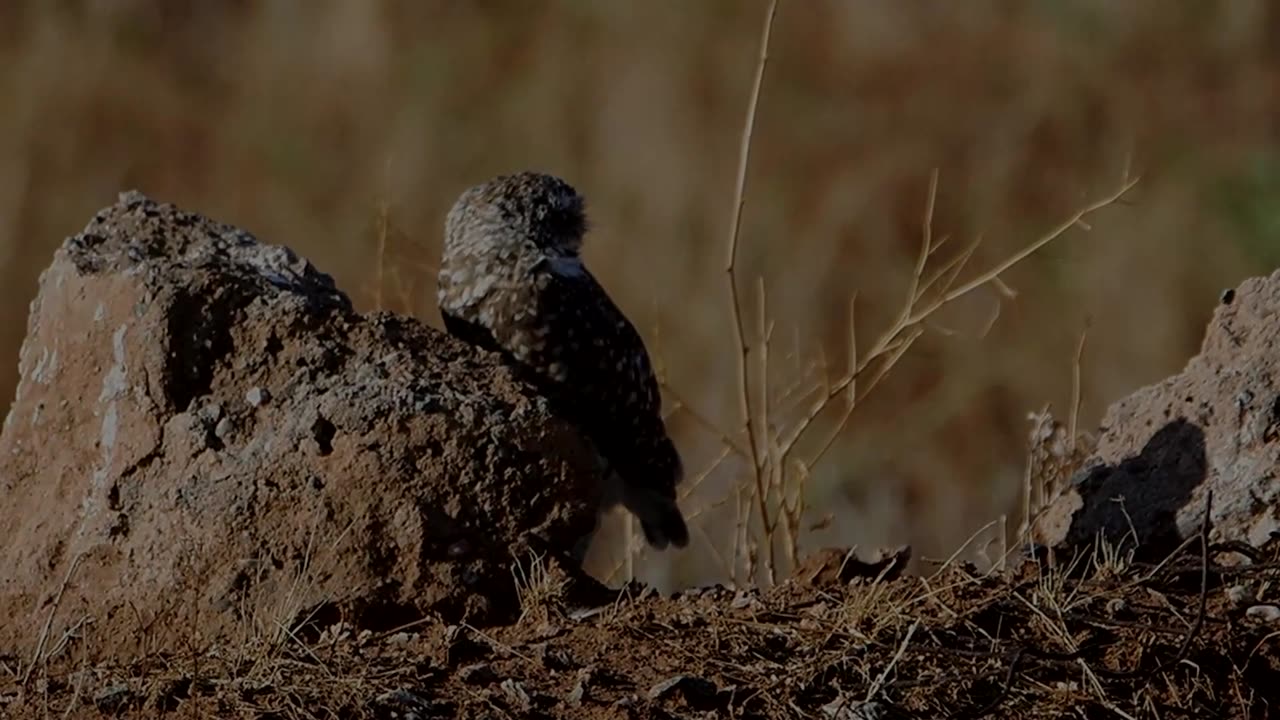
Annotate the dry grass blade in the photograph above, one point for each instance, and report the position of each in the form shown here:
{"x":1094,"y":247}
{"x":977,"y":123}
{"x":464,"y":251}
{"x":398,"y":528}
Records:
{"x":879,"y":683}
{"x":1074,"y":418}
{"x":48,"y":624}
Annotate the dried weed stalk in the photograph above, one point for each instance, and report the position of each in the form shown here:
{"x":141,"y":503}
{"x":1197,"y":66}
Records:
{"x":770,"y":502}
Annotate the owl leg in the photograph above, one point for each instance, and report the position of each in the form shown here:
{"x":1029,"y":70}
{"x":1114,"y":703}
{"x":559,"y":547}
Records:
{"x":579,"y":551}
{"x":611,"y":490}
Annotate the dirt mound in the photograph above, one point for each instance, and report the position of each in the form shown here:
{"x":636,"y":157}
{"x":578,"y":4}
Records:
{"x":1181,"y":639}
{"x":207,"y":443}
{"x":1213,"y":428}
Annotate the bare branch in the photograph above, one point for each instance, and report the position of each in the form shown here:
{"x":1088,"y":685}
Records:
{"x":731,"y":260}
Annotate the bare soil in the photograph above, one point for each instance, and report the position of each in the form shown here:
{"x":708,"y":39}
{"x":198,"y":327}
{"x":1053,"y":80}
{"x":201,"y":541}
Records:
{"x":1176,"y":639}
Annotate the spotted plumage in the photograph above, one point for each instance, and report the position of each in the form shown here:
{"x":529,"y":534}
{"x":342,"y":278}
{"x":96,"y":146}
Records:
{"x":512,"y":280}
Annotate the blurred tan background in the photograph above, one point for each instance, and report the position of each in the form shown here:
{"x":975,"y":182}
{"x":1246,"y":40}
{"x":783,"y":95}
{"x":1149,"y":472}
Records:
{"x":299,"y":120}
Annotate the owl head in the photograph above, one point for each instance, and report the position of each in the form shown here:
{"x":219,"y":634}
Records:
{"x":516,"y":213}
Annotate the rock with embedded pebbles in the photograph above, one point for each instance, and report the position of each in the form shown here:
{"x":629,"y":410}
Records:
{"x":208,"y":442}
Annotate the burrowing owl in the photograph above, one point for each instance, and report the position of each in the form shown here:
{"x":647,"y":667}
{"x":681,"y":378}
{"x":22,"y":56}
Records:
{"x":512,"y":280}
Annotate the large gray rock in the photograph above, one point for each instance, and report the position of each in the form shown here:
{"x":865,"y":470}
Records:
{"x":1213,"y":427}
{"x":207,"y":442}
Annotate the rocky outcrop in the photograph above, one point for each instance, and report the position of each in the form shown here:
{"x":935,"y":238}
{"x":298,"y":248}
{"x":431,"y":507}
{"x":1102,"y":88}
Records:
{"x":207,"y":441}
{"x":1214,"y":427}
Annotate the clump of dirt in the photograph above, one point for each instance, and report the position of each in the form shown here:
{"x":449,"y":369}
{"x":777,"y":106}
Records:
{"x":1183,"y":638}
{"x":208,"y":444}
{"x":1213,"y":429}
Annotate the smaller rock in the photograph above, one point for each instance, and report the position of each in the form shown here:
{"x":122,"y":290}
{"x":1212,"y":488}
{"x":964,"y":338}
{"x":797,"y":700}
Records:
{"x":697,"y":691}
{"x":211,"y":412}
{"x":223,"y":428}
{"x":459,"y":549}
{"x":839,"y":566}
{"x":516,"y":695}
{"x":400,"y":638}
{"x":257,"y":396}
{"x":405,"y":705}
{"x":552,"y":658}
{"x":1269,"y":614}
{"x":478,"y":674}
{"x":1237,"y":595}
{"x":113,"y":698}
{"x":579,"y":690}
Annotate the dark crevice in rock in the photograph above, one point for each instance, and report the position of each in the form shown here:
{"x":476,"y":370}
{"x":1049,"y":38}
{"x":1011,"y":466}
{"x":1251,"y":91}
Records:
{"x":200,"y":335}
{"x":323,"y":432}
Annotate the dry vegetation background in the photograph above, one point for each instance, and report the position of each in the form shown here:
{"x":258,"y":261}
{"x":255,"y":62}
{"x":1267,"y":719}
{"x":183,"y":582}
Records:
{"x":302,"y":121}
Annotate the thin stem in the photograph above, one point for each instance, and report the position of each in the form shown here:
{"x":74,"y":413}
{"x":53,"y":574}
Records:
{"x":731,"y":259}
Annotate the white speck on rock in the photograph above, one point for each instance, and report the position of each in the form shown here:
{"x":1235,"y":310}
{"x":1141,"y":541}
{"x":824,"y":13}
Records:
{"x":46,"y":367}
{"x":115,"y":381}
{"x":257,"y":396}
{"x":211,"y":412}
{"x":114,"y":387}
{"x":110,"y":426}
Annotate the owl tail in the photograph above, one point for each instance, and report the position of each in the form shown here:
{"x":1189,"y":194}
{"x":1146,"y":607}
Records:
{"x":659,"y":517}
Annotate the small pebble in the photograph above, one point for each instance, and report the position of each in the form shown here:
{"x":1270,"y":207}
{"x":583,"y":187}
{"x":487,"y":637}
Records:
{"x":211,"y":412}
{"x":113,"y":698}
{"x":478,"y":674}
{"x":1237,"y":595}
{"x":1269,"y":614}
{"x":579,"y":690}
{"x":458,"y":549}
{"x":257,"y":396}
{"x":516,"y":695}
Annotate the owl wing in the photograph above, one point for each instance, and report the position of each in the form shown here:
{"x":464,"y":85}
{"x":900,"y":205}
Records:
{"x":561,"y":330}
{"x":561,"y":327}
{"x":604,"y":379}
{"x":594,"y":353}
{"x":469,"y":331}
